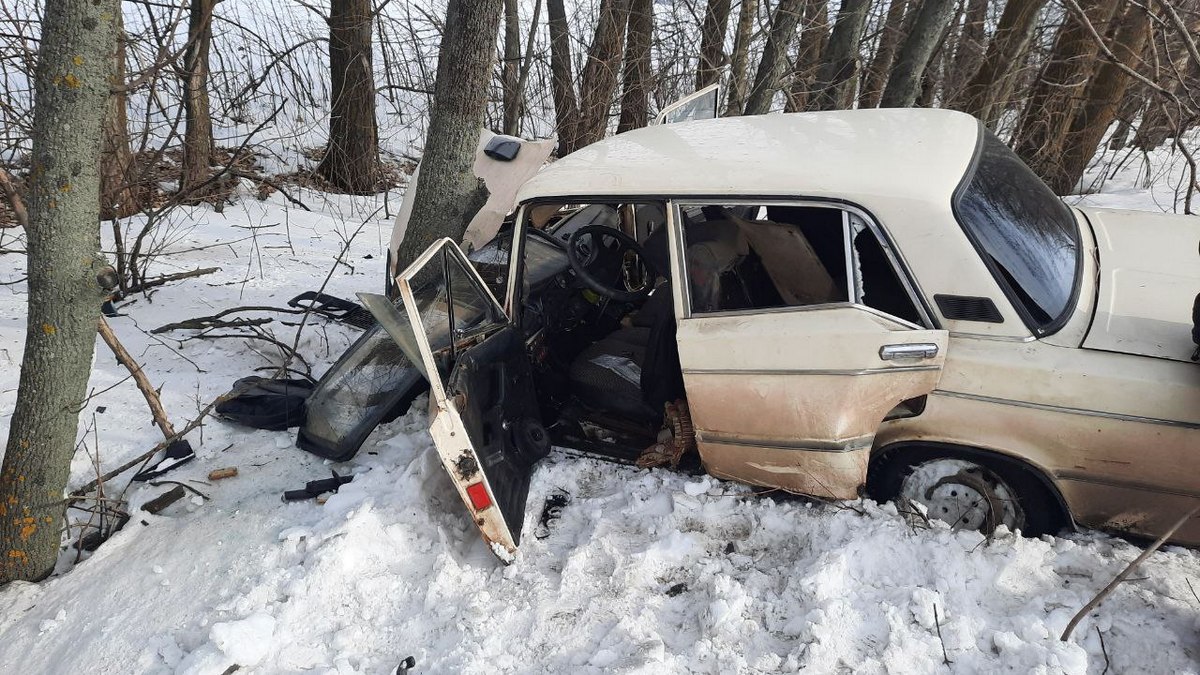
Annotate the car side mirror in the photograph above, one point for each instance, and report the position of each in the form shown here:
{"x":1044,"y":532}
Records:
{"x":503,"y":148}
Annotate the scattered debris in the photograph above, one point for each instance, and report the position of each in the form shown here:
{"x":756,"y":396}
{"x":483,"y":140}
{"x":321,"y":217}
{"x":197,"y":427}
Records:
{"x":551,"y":511}
{"x":315,"y":488}
{"x":221,"y":474}
{"x":164,"y":500}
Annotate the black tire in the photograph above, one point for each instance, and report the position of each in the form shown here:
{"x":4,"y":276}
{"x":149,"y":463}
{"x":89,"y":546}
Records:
{"x":1041,"y":512}
{"x":532,"y":441}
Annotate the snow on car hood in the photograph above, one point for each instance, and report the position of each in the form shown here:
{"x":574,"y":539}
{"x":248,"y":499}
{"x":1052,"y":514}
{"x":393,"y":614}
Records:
{"x":1149,"y":277}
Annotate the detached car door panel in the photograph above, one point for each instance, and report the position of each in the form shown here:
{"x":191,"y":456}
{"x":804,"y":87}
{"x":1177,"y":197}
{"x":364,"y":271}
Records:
{"x":793,"y":398}
{"x":485,"y":416}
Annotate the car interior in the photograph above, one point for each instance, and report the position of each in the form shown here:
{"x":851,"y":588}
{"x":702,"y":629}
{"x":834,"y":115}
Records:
{"x":596,"y":305}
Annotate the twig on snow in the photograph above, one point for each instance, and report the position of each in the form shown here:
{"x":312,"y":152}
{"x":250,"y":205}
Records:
{"x":1112,"y":585}
{"x":938,"y":623}
{"x":1104,"y":651}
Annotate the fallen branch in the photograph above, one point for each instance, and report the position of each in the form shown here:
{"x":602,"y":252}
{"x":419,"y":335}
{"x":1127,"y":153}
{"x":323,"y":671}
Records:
{"x":165,"y":279}
{"x":139,"y":377}
{"x":191,"y":426}
{"x":214,"y":321}
{"x":14,"y":200}
{"x":1112,"y":585}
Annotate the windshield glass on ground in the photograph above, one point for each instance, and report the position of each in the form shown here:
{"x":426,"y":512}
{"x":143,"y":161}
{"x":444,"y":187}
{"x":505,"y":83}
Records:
{"x":1024,"y":231}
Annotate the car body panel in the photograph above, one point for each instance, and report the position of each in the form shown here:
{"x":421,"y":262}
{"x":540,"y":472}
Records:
{"x":451,"y":325}
{"x":1150,"y":275}
{"x":1118,"y":435}
{"x":502,"y":180}
{"x":799,"y":412}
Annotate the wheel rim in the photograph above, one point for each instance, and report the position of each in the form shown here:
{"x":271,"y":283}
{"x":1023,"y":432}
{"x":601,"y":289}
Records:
{"x":963,"y":494}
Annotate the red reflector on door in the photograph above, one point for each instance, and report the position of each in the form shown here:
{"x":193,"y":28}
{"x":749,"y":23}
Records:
{"x":478,"y":493}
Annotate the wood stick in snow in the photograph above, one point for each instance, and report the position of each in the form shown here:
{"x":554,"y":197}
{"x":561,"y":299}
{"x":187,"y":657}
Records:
{"x":1112,"y":585}
{"x":143,"y":383}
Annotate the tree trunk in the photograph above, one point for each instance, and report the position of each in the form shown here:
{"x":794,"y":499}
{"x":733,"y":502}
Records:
{"x":566,"y":108}
{"x":904,"y":83}
{"x":598,"y":83}
{"x":351,"y":161}
{"x":1051,"y":106}
{"x":839,"y":63}
{"x":774,"y":56}
{"x":635,"y":102}
{"x":739,"y":65}
{"x":118,"y":196}
{"x":1012,"y":38}
{"x":889,"y":39}
{"x":1103,"y":95}
{"x":74,"y":75}
{"x":968,"y":47}
{"x":198,"y":135}
{"x":511,"y":72}
{"x":712,"y":43}
{"x":814,"y":33}
{"x":447,"y":192}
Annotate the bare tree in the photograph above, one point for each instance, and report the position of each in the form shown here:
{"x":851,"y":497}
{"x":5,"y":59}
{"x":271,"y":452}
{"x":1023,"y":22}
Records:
{"x":1050,"y":105}
{"x":351,"y":161}
{"x":739,"y":65}
{"x":774,"y":57}
{"x":447,"y":192}
{"x":74,"y":75}
{"x":566,"y":106}
{"x":598,"y":83}
{"x":893,"y":31}
{"x":712,"y":43}
{"x":904,"y":83}
{"x":1012,"y":37}
{"x":839,"y":62}
{"x":198,"y":134}
{"x":635,"y":101}
{"x":814,"y":32}
{"x":118,"y":197}
{"x":511,"y":70}
{"x":1103,"y":95}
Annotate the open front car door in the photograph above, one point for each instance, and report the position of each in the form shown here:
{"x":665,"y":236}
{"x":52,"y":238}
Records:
{"x":485,"y":417}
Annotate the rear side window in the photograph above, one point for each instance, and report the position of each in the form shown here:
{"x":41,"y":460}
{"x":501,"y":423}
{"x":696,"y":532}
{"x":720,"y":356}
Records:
{"x":1025,"y":233}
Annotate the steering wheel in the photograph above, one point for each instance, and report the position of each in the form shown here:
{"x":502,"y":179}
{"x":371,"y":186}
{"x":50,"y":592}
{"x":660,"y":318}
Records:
{"x":625,"y":264}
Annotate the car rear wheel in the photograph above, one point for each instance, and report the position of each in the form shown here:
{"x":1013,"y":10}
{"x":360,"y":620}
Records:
{"x":967,"y":491}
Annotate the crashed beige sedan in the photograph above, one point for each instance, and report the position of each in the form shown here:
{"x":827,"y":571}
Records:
{"x":882,"y":301}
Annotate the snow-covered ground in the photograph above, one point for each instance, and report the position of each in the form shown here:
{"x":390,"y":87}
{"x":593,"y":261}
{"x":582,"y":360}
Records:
{"x":645,"y":571}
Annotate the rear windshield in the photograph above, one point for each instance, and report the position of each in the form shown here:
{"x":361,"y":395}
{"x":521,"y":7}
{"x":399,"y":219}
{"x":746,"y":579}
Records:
{"x":1027,"y":235}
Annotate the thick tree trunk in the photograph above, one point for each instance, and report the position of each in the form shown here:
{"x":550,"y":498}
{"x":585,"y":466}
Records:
{"x":739,"y":65}
{"x":198,"y":135}
{"x":1103,"y":95}
{"x":814,"y":33}
{"x":447,"y":192}
{"x":774,"y":57}
{"x":904,"y":83}
{"x":635,"y":101}
{"x":839,"y":63}
{"x":118,"y":197}
{"x":566,"y":107}
{"x":1042,"y":131}
{"x":1012,"y":37}
{"x":598,"y":82}
{"x":351,"y":161}
{"x":511,"y":72}
{"x":74,"y":75}
{"x":968,"y":46}
{"x":894,"y":30}
{"x":712,"y":43}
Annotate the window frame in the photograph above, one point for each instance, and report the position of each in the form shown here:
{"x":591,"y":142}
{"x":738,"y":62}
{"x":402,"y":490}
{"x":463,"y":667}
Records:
{"x":854,"y":290}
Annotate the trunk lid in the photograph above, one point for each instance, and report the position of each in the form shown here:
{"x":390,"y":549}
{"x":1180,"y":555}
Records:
{"x":1149,"y":278}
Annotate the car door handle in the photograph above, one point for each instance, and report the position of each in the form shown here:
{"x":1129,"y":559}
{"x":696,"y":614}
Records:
{"x":919,"y":350}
